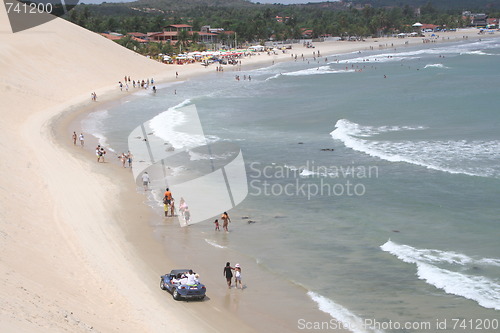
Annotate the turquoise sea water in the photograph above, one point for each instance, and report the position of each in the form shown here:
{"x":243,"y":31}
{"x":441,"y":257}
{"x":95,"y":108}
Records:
{"x":400,"y":223}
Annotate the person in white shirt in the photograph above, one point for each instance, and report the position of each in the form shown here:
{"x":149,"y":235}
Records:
{"x":145,"y":180}
{"x":191,"y":279}
{"x":237,"y":276}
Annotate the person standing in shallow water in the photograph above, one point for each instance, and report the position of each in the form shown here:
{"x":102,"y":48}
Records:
{"x":225,"y":221}
{"x":129,"y":159}
{"x":145,"y":181}
{"x":82,"y":139}
{"x":228,"y":273}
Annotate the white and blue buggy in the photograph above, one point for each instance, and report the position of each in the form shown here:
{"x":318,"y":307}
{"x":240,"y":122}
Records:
{"x":179,"y":290}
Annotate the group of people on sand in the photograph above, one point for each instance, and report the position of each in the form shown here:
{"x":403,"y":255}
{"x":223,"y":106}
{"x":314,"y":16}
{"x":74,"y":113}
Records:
{"x":168,"y":203}
{"x":100,"y":152}
{"x":79,"y":137}
{"x":228,"y":273}
{"x":124,"y":158}
{"x":169,"y":206}
{"x":139,"y":84}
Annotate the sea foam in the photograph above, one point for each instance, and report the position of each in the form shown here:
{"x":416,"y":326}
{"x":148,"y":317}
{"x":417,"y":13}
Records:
{"x":436,"y":66}
{"x":343,"y":315}
{"x":166,"y":125}
{"x":94,"y":124}
{"x":484,"y":291}
{"x":451,"y":50}
{"x":317,"y":70}
{"x":473,"y":158}
{"x":214,"y":244}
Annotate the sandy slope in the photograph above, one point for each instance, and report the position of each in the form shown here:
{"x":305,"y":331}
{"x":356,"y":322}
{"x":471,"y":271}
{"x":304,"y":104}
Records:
{"x":64,"y":266}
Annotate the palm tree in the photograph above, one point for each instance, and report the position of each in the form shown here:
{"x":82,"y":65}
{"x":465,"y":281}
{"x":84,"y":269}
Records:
{"x":182,"y":39}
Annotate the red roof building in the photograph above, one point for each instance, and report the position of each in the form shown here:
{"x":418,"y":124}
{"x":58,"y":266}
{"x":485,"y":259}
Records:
{"x":138,"y":34}
{"x":178,"y":27}
{"x":492,"y":21}
{"x":112,"y":36}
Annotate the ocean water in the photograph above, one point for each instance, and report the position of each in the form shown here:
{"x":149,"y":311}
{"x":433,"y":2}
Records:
{"x":373,"y":178}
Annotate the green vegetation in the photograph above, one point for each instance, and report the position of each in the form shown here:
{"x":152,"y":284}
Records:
{"x":258,"y":22}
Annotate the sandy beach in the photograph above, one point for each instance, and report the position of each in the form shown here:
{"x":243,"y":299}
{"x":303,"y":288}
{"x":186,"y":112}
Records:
{"x":80,"y":249}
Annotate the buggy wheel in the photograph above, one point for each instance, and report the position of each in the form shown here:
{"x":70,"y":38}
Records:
{"x":162,"y":285}
{"x":176,"y":295}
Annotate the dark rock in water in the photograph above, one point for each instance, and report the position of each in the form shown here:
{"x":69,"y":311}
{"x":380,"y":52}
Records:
{"x":327,"y":149}
{"x":279,"y":217}
{"x":395,"y":231}
{"x":250,"y":221}
{"x":244,"y":217}
{"x":300,"y":143}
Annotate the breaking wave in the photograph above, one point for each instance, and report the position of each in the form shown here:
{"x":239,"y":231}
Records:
{"x":483,"y":290}
{"x":474,"y":158}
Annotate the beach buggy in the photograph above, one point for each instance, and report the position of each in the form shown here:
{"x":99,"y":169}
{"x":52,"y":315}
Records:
{"x":176,"y":282}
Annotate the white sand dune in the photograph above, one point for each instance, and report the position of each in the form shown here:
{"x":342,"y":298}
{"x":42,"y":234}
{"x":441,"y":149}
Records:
{"x":64,"y":265}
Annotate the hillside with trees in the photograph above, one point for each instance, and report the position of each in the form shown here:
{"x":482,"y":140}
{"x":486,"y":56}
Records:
{"x":254,"y":22}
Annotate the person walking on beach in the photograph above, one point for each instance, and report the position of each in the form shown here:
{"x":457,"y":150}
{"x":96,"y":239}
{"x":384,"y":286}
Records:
{"x":167,"y":196}
{"x":123,"y":159}
{"x":168,"y":203}
{"x":187,"y":216}
{"x":237,"y":276}
{"x":165,"y":208}
{"x":172,"y":207}
{"x":82,"y":139}
{"x":100,"y":154}
{"x":228,"y":273}
{"x":74,"y":138}
{"x":145,"y":180}
{"x":129,"y":159}
{"x":225,"y":221}
{"x":217,"y":225}
{"x":183,"y":206}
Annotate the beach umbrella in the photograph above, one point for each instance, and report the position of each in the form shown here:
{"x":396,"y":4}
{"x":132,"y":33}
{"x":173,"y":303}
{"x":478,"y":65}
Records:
{"x":418,"y":24}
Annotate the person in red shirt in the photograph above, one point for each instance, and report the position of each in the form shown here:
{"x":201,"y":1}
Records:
{"x":167,"y":197}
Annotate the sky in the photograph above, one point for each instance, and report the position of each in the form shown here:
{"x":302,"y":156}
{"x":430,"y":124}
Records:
{"x":286,"y":2}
